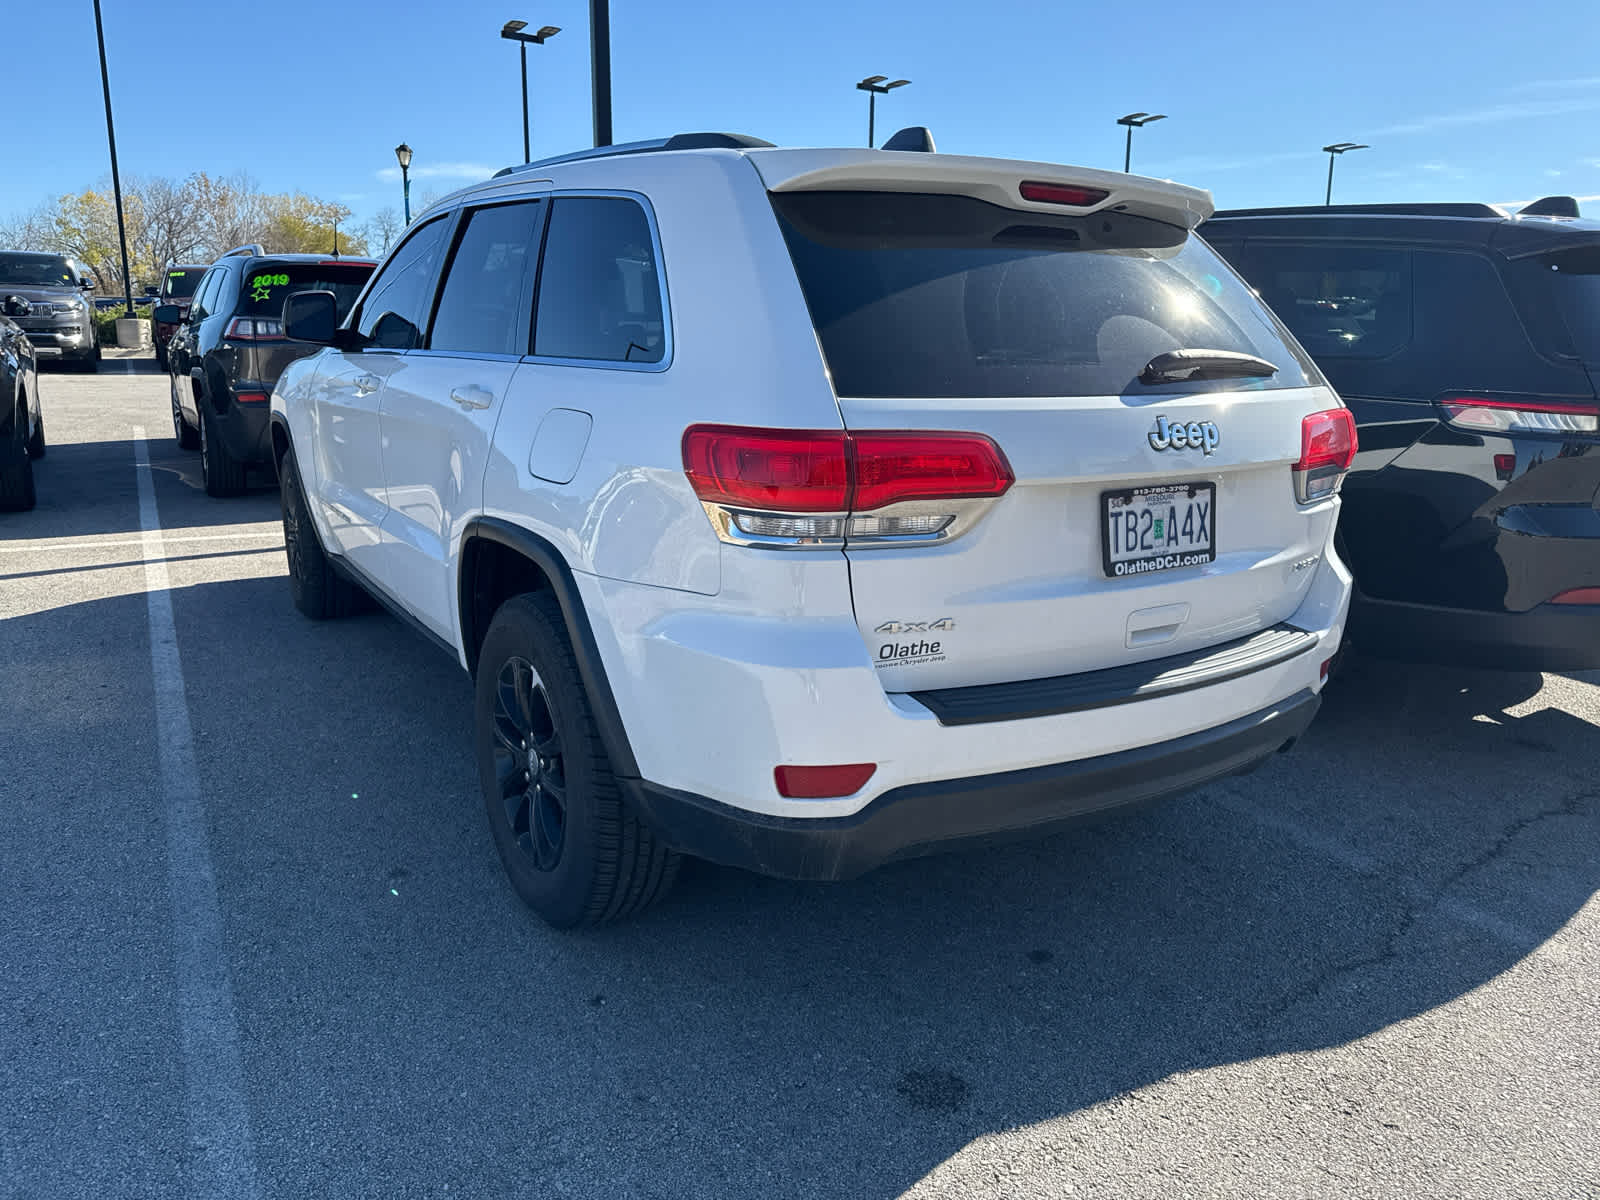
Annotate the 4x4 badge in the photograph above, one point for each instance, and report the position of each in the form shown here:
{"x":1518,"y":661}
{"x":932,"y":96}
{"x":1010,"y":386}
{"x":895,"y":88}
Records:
{"x":942,"y":625}
{"x":1176,"y":435}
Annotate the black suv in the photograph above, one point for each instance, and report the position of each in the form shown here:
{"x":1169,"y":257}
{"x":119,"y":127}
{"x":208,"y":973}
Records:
{"x":1467,"y":343}
{"x":229,"y":350}
{"x":178,"y":286}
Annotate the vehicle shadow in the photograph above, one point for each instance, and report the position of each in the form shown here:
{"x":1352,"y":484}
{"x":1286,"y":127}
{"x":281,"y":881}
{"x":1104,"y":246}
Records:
{"x":91,"y":488}
{"x":758,"y":1037}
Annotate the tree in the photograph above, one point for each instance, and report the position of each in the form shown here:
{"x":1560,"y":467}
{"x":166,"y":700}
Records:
{"x":381,"y":231}
{"x":86,"y":229}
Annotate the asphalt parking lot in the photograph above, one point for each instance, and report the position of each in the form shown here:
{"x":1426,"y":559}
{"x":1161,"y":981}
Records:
{"x":255,"y":939}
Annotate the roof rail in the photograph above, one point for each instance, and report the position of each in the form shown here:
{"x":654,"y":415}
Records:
{"x":249,"y":250}
{"x":678,"y":141}
{"x":1551,"y":206}
{"x":1384,"y":210}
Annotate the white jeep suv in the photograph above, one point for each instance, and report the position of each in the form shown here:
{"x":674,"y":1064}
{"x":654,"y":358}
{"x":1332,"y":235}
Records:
{"x":808,"y":509}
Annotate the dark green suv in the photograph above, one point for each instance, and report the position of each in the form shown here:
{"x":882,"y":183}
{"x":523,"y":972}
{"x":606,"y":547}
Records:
{"x":229,"y":350}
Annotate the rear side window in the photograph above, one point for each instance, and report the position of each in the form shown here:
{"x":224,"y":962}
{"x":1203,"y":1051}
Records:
{"x":268,"y":284}
{"x":1340,"y":301}
{"x":599,"y":285}
{"x":396,"y":308}
{"x":481,"y":308}
{"x":1574,"y":277}
{"x":949,"y":296}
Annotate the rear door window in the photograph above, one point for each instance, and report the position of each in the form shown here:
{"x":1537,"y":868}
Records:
{"x":599,"y":296}
{"x":268,"y":284}
{"x":950,"y":296}
{"x":1341,"y":301}
{"x":483,"y":306}
{"x":396,"y":307}
{"x":180,"y":285}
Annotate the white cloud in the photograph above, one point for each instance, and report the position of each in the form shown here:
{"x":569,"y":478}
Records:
{"x":466,"y":171}
{"x":1513,"y":205}
{"x":1554,"y":174}
{"x":1491,"y":115}
{"x":1556,"y":85}
{"x":1177,"y":168}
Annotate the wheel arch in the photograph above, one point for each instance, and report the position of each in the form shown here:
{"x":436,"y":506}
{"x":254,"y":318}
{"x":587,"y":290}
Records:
{"x":498,"y":560}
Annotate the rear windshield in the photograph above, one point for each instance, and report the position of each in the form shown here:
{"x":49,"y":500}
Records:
{"x":180,"y":285}
{"x":949,"y":296}
{"x":36,"y":270}
{"x":267,"y":285}
{"x":1576,"y":278}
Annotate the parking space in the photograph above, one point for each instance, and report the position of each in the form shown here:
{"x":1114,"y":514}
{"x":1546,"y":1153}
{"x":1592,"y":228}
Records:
{"x":257,"y":935}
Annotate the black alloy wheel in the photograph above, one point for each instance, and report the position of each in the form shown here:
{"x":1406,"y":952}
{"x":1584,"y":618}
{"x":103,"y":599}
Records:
{"x":529,"y":765}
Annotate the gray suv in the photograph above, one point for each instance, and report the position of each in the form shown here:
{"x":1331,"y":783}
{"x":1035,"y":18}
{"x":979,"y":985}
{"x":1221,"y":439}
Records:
{"x":56,"y":313}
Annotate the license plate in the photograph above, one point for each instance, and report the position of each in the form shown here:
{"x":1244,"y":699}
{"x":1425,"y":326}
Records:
{"x":1158,"y":528}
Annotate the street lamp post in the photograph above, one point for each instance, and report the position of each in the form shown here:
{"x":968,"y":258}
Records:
{"x":875,"y":86}
{"x":402,"y":154}
{"x":116,"y":179}
{"x":1333,"y":152}
{"x":1135,"y":121}
{"x":512,"y":31}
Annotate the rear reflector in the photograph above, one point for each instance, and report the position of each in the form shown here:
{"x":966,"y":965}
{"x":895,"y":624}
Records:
{"x":804,"y":471}
{"x":1062,"y":193}
{"x":1505,"y":466}
{"x":822,"y":783}
{"x":1486,"y":414}
{"x":250,"y":397}
{"x":1327,"y":448}
{"x":1585,"y":595}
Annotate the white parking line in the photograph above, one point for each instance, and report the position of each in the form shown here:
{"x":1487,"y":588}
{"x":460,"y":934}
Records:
{"x":222,"y":1160}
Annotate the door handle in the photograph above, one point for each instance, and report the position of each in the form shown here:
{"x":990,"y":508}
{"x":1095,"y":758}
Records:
{"x":472,"y":396}
{"x":367,"y":384}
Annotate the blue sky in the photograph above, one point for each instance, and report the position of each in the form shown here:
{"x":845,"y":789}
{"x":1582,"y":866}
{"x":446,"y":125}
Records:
{"x":1460,"y":99}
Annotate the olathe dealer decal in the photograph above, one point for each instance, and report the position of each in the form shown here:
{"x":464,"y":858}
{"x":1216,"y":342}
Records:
{"x":911,"y":643}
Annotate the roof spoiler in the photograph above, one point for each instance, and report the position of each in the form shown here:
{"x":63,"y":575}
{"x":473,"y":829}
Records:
{"x":1551,"y":206}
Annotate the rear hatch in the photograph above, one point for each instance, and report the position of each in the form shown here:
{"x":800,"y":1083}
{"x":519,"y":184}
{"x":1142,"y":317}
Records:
{"x":257,"y":324}
{"x":1153,"y":512}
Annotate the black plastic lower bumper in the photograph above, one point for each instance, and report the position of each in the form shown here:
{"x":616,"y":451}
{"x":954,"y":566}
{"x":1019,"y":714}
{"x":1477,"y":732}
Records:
{"x":243,"y":428}
{"x":923,"y":818}
{"x":1550,"y":637}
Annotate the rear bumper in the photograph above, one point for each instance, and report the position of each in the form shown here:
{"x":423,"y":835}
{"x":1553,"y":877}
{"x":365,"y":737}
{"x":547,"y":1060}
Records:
{"x":919,"y":819}
{"x":244,"y":428}
{"x":1549,"y":637}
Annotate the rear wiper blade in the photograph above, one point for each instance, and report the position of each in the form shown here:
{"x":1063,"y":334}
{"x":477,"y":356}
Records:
{"x":1188,"y":366}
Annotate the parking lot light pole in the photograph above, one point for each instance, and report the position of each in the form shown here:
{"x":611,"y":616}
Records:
{"x":402,"y":154}
{"x":875,"y":86}
{"x":512,"y":31}
{"x":1333,"y":152}
{"x":1135,"y":121}
{"x":116,"y":179}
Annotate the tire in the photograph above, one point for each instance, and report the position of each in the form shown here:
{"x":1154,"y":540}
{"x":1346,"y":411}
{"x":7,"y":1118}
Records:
{"x":16,"y":477}
{"x":318,"y":590}
{"x":573,"y":850}
{"x":224,"y":475}
{"x":36,"y":446}
{"x":188,"y":436}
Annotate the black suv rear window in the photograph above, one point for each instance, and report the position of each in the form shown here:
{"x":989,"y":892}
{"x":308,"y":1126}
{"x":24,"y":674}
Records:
{"x":949,"y":296}
{"x":268,"y":284}
{"x":180,"y":285}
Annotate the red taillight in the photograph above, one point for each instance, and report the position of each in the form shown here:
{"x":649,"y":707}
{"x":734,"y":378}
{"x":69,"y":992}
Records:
{"x":1508,"y":414}
{"x":1584,"y":595}
{"x":890,"y":467}
{"x":1327,"y":448}
{"x":346,"y":262}
{"x":250,"y":397}
{"x":254,"y":329}
{"x":771,"y":469}
{"x":801,"y":471}
{"x":1062,"y":193}
{"x":822,"y":783}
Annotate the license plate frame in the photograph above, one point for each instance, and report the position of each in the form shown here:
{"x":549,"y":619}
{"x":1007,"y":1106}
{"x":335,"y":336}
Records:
{"x":1121,"y":498}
